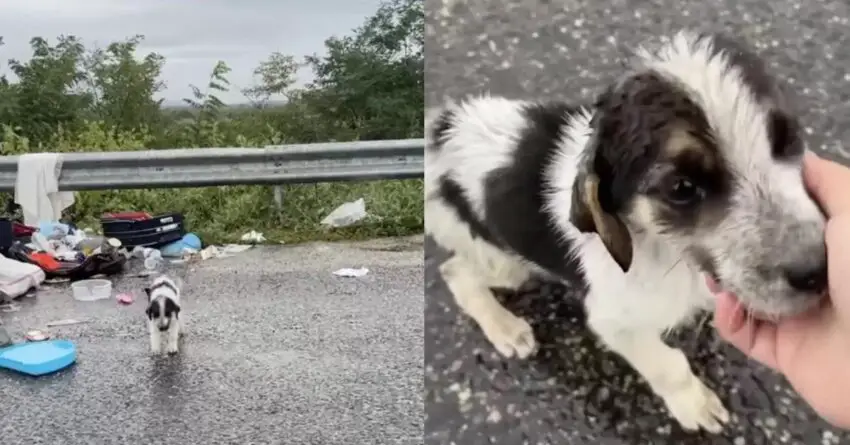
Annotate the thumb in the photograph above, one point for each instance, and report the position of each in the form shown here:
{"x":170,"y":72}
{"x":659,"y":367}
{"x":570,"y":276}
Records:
{"x":838,"y":257}
{"x":828,"y":182}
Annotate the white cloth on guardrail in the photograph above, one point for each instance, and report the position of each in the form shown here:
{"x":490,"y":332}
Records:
{"x":37,"y":188}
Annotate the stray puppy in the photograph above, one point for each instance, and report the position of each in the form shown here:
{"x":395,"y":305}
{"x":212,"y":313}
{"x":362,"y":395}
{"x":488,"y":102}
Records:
{"x":163,"y":314}
{"x":687,"y":168}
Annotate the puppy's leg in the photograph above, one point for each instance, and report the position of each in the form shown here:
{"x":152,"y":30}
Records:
{"x":173,"y":335}
{"x":666,"y":369}
{"x":156,"y":338}
{"x":182,"y":322}
{"x":509,"y":334}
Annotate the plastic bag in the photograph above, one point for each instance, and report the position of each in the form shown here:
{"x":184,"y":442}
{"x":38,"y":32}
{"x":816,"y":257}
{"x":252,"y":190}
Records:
{"x":346,"y":214}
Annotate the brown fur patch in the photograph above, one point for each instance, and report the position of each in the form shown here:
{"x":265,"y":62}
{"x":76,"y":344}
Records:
{"x":614,"y":234}
{"x":682,"y":145}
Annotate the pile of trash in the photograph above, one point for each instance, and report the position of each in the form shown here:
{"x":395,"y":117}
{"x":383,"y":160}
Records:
{"x":40,"y":248}
{"x":55,"y":252}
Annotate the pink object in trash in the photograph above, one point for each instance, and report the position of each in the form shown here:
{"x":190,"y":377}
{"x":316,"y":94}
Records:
{"x":37,"y":336}
{"x":125,"y":298}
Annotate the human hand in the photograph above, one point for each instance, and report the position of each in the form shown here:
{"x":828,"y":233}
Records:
{"x":812,"y":350}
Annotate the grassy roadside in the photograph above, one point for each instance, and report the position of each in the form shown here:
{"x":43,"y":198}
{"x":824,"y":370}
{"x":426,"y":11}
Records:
{"x":223,"y":214}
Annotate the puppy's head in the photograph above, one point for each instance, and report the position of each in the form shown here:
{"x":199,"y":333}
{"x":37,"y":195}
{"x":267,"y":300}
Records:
{"x":163,"y":307}
{"x":698,"y":147}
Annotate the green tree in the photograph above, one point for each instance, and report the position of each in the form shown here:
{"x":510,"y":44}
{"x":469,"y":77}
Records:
{"x":46,"y":94}
{"x":371,"y":83}
{"x":276,"y":75}
{"x":123,"y":87}
{"x":207,"y":105}
{"x":7,"y":99}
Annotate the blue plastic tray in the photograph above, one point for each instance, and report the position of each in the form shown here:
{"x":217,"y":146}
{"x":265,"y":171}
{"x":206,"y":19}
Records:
{"x":38,"y":358}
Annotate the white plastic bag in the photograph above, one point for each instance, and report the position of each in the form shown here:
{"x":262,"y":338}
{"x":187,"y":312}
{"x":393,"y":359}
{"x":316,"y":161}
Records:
{"x":349,"y":272}
{"x":346,"y":214}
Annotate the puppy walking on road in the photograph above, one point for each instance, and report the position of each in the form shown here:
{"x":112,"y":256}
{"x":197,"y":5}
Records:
{"x":163,"y":314}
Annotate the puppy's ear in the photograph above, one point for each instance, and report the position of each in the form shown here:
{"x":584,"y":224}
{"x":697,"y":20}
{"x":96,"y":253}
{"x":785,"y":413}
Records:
{"x":587,"y":215}
{"x":149,"y":313}
{"x":148,"y":293}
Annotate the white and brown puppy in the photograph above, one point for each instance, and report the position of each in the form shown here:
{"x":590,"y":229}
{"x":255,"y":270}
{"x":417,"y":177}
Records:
{"x":687,"y":167}
{"x":163,"y":313}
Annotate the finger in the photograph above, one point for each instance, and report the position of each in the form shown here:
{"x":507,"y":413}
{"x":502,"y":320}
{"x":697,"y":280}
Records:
{"x":838,"y":255}
{"x":828,"y":182}
{"x":756,"y":339}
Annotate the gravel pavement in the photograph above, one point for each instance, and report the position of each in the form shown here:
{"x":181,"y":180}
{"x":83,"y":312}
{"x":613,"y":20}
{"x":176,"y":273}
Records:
{"x":277,"y":351}
{"x":573,"y":392}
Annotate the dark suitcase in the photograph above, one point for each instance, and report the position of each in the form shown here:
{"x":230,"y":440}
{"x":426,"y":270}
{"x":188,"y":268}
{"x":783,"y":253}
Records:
{"x":155,"y":232}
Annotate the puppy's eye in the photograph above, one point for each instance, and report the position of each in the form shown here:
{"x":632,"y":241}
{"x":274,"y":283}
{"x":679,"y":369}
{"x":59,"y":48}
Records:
{"x":682,"y":192}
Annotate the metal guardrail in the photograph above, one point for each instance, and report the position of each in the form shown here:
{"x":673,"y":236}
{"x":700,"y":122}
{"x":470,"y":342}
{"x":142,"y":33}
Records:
{"x":204,"y":167}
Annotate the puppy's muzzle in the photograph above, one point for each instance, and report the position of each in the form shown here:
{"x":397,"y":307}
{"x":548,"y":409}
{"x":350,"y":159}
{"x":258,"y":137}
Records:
{"x":808,"y":278}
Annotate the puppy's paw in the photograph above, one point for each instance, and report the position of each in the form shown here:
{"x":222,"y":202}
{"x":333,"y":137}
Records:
{"x":172,"y":348}
{"x":156,"y":349}
{"x":510,"y":335}
{"x":697,"y":406}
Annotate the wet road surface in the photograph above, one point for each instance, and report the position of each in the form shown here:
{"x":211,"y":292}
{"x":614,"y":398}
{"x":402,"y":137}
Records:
{"x":277,"y":351}
{"x":572,"y":392}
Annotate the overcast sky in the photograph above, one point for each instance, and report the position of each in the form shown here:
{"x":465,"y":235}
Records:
{"x":191,"y":34}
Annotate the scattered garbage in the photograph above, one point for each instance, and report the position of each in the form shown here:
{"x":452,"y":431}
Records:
{"x":37,"y":188}
{"x":125,"y":298}
{"x":186,"y":246}
{"x":142,"y":229}
{"x":54,"y":230}
{"x":253,"y":237}
{"x":51,"y":251}
{"x":9,"y":307}
{"x":5,"y":338}
{"x":223,"y":251}
{"x":231,"y":249}
{"x":91,"y":290}
{"x":17,"y":278}
{"x":36,"y":335}
{"x":210,"y":252}
{"x":64,"y":322}
{"x":38,"y":358}
{"x":153,"y":258}
{"x":351,"y":273}
{"x":347,"y":214}
{"x":40,"y":242}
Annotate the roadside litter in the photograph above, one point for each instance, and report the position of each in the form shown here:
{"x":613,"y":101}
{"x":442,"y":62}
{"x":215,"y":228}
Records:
{"x":9,"y":307}
{"x":351,"y":273}
{"x":125,"y":298}
{"x":253,"y":237}
{"x":64,"y":322}
{"x":51,"y":251}
{"x":347,"y":214}
{"x":91,"y":290}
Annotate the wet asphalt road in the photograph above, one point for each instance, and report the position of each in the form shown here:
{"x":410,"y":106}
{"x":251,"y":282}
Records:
{"x":277,"y":351}
{"x":572,"y":392}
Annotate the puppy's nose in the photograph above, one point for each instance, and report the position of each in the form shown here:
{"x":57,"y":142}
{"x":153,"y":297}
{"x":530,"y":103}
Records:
{"x":810,"y":277}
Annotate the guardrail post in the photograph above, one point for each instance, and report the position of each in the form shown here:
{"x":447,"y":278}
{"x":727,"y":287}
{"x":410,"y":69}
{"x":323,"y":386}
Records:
{"x":278,"y":202}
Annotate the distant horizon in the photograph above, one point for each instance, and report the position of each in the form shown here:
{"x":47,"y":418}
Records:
{"x":181,"y":104}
